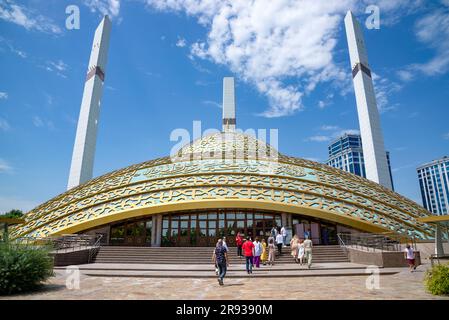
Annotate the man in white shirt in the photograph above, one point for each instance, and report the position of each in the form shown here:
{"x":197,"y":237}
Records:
{"x":284,"y":236}
{"x":279,"y":242}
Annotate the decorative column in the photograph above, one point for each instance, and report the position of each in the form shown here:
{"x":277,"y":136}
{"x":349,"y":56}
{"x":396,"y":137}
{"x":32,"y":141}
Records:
{"x":159,"y":231}
{"x":284,"y":219}
{"x":153,"y":230}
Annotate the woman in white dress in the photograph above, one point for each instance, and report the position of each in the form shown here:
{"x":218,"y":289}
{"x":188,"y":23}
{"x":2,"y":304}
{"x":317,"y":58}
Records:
{"x":300,"y":251}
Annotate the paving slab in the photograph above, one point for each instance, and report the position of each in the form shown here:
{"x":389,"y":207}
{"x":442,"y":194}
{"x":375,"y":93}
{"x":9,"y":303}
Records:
{"x":202,"y":267}
{"x":402,"y":285}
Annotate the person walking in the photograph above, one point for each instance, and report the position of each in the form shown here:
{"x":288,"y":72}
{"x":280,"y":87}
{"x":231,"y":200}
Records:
{"x":258,"y":249}
{"x":271,"y":238}
{"x":274,"y":232}
{"x":409,"y":255}
{"x":279,"y":243}
{"x":294,"y":247}
{"x":284,"y":236}
{"x":271,"y":251}
{"x":264,"y":256}
{"x":239,"y":243}
{"x":248,"y":251}
{"x":308,"y":251}
{"x":300,"y":251}
{"x":215,"y":262}
{"x":220,"y":257}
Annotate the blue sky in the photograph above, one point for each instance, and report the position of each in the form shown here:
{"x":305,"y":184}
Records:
{"x":165,"y":69}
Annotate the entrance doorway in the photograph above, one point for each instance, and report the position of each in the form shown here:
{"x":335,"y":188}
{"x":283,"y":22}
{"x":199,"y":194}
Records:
{"x":203,"y":228}
{"x":132,"y":233}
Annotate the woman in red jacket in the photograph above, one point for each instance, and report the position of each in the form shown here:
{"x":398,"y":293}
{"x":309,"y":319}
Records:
{"x":239,"y":243}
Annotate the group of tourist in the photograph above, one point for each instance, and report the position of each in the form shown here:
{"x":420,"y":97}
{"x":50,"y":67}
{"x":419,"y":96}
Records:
{"x":301,"y":249}
{"x":260,"y":251}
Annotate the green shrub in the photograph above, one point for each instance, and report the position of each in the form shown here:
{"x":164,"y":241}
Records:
{"x":23,"y":267}
{"x":437,"y":279}
{"x":13,"y":214}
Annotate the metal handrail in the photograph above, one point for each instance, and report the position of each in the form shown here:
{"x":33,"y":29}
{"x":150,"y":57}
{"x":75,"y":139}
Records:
{"x":372,"y":241}
{"x":95,"y":248}
{"x":67,"y":243}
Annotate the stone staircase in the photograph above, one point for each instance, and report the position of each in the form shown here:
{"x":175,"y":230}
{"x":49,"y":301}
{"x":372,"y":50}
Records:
{"x":201,"y":255}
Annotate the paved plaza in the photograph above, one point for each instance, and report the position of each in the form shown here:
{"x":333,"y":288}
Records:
{"x":401,"y":285}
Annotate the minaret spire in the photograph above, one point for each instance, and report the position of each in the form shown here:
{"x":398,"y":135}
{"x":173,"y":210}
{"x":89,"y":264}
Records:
{"x":376,"y":164}
{"x":228,"y":105}
{"x":81,"y":168}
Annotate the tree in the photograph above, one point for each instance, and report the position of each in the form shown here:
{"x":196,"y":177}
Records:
{"x":13,"y":214}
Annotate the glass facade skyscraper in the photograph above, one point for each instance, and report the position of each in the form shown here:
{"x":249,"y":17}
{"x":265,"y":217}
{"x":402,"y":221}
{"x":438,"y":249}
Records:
{"x":346,"y":153}
{"x":434,"y":184}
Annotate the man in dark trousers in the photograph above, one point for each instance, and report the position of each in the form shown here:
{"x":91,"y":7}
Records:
{"x":220,"y":258}
{"x":248,"y":251}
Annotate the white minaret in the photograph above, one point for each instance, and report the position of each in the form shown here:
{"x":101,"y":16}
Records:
{"x":376,"y":164}
{"x":83,"y":156}
{"x":228,"y":104}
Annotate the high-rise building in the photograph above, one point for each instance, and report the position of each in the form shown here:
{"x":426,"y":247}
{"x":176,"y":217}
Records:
{"x":434,"y":184}
{"x":81,"y":168}
{"x":346,"y":153}
{"x":376,"y":163}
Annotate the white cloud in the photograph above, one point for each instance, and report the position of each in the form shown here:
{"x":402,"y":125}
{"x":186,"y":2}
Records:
{"x":5,"y":167}
{"x":346,"y":131}
{"x":27,"y":18}
{"x":11,"y":48}
{"x":212,"y":103}
{"x":3,"y":95}
{"x":414,"y":114}
{"x":446,"y":136}
{"x":181,"y":42}
{"x":405,"y":75}
{"x":391,"y":11}
{"x":59,"y":67}
{"x":319,"y":138}
{"x":313,"y":159}
{"x":331,"y":132}
{"x":104,"y":7}
{"x":329,"y":98}
{"x":203,"y":83}
{"x":38,"y":122}
{"x":328,"y":127}
{"x":432,"y":30}
{"x":384,"y":88}
{"x":407,"y":166}
{"x":4,"y":125}
{"x":321,"y":104}
{"x":283,"y":48}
